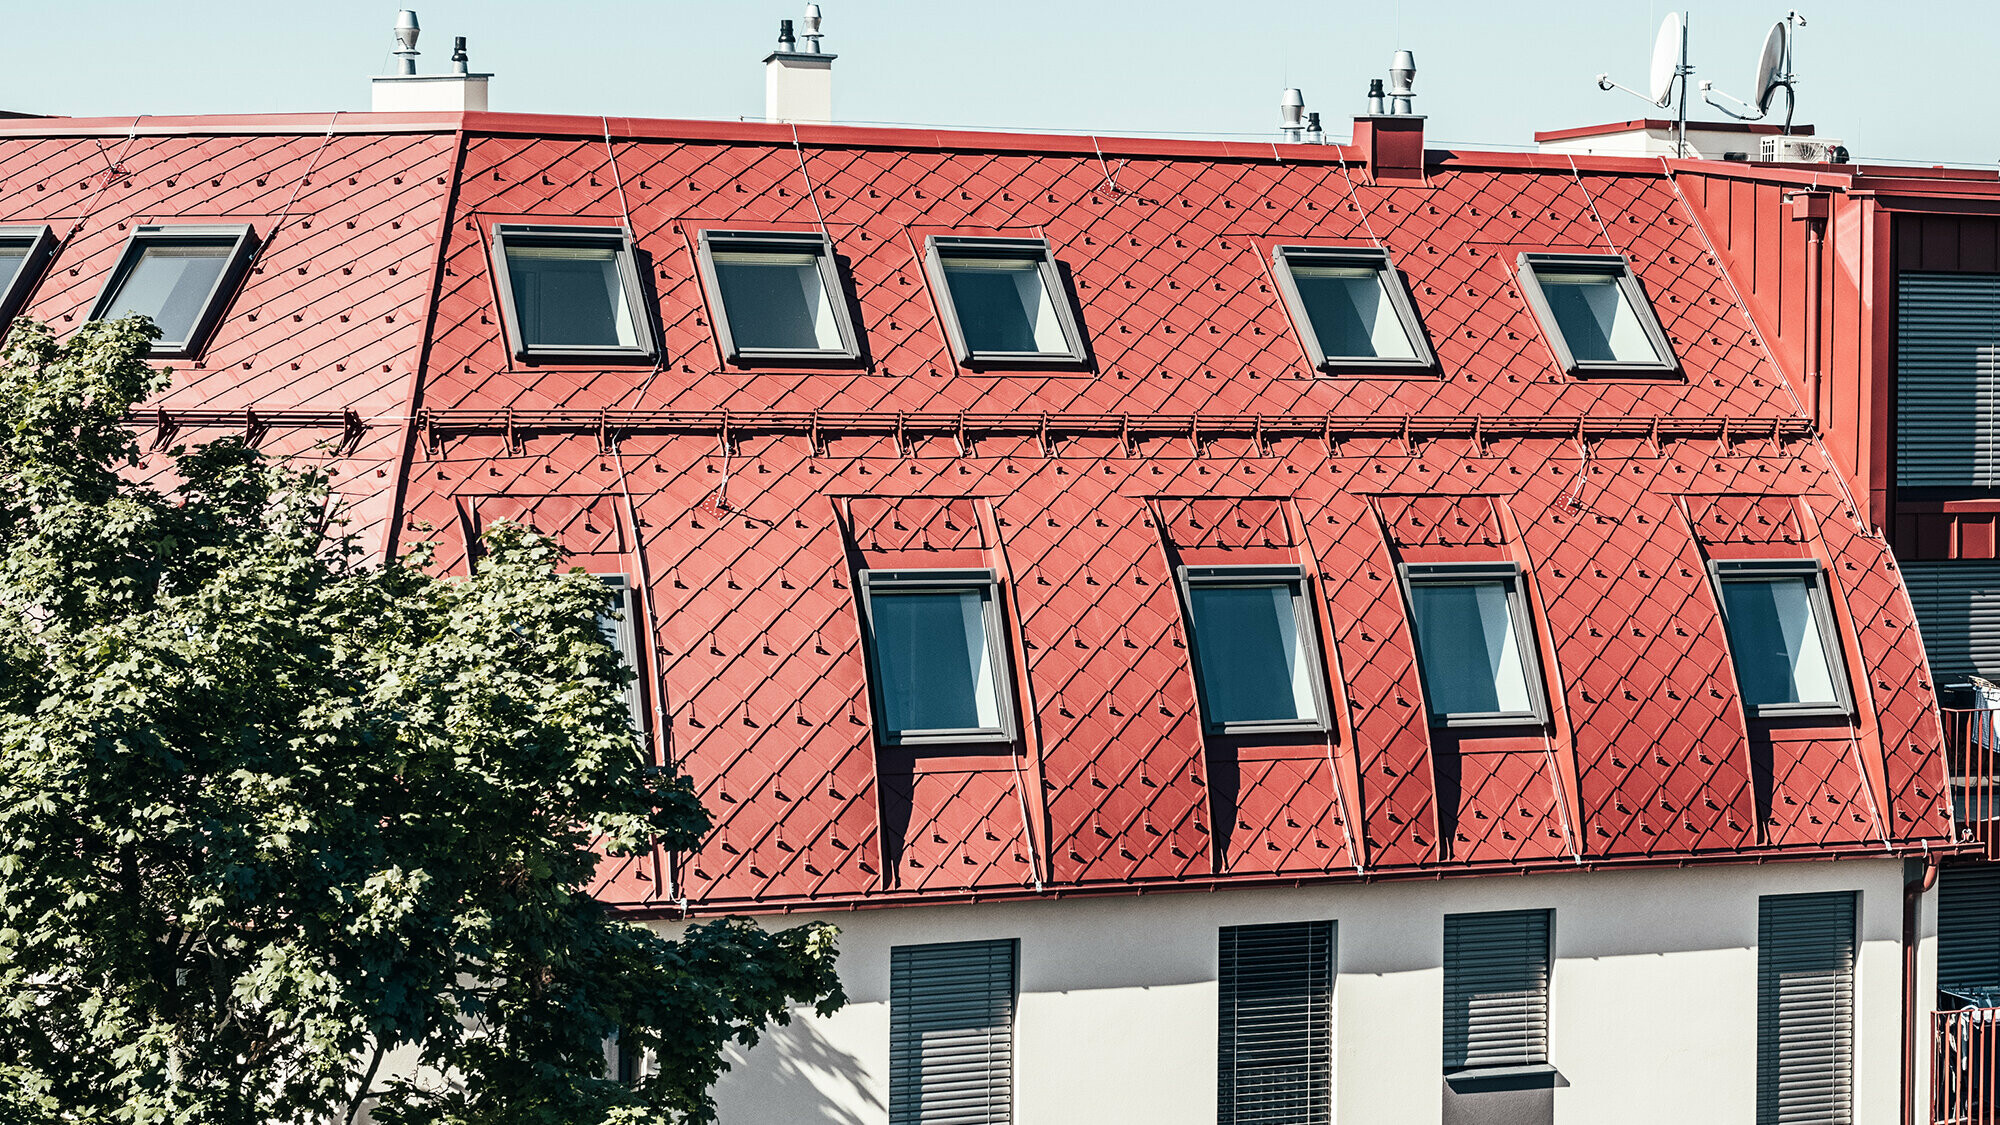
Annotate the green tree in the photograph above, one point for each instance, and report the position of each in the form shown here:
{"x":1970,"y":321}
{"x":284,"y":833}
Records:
{"x":269,"y":810}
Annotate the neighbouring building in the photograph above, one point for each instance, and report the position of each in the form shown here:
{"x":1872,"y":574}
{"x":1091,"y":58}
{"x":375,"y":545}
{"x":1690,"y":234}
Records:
{"x":1239,"y":631}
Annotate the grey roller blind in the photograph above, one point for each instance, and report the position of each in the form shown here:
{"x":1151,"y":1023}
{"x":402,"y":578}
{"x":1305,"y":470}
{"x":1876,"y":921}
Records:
{"x":1969,"y":926}
{"x":951,"y":1033}
{"x":1947,"y":380}
{"x":1496,"y":989}
{"x":1275,"y":1036}
{"x":1805,"y":1009}
{"x":1958,"y":609}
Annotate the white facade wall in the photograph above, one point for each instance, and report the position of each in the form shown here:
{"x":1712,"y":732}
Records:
{"x":1653,"y":998}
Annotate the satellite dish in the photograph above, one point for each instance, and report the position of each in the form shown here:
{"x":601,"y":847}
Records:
{"x":1666,"y":60}
{"x":1771,"y":65}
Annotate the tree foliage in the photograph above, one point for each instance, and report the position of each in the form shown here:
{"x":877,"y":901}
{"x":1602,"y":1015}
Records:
{"x":269,"y":811}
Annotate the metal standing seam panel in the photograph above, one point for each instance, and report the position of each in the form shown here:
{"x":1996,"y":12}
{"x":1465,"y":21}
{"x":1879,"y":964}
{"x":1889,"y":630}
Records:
{"x":1274,"y":1033}
{"x":1958,"y":607}
{"x":951,"y":1033}
{"x":1805,"y":1009}
{"x":1969,"y":926}
{"x":1496,"y":989}
{"x":1947,"y":380}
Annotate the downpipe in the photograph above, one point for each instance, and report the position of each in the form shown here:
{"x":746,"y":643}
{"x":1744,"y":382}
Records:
{"x":1916,"y":881}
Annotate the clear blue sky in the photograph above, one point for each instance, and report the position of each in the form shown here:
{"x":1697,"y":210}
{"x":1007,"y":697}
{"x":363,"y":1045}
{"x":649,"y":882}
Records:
{"x":1489,"y":72}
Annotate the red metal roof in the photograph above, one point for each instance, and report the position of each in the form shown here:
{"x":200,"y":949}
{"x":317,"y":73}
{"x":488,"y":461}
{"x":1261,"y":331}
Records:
{"x":368,"y":335}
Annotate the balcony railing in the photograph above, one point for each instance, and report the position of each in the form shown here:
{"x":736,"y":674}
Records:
{"x":1965,"y":1067}
{"x":1972,"y":750}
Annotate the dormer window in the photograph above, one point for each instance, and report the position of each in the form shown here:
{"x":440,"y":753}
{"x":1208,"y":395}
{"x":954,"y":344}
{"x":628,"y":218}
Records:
{"x":181,"y":277}
{"x":571,"y":293}
{"x":776,"y":297}
{"x":937,"y":661}
{"x":1351,"y":309}
{"x":1782,"y":637}
{"x":1003,"y":301}
{"x":24,"y":251}
{"x":1594,"y":314}
{"x":1474,"y":644}
{"x":1251,"y":630}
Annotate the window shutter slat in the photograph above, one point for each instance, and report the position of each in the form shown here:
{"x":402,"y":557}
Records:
{"x":1275,"y":1034}
{"x":951,"y":1033}
{"x":1947,"y":380}
{"x":1805,"y":1009}
{"x":1969,"y":927}
{"x":1958,"y":609}
{"x":1496,"y":989}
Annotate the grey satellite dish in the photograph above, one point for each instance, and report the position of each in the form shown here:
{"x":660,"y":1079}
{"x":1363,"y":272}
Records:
{"x":1772,"y":70}
{"x":1666,"y":59}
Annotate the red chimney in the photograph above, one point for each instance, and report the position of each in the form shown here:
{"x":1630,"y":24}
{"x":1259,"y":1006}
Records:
{"x":1393,"y":147}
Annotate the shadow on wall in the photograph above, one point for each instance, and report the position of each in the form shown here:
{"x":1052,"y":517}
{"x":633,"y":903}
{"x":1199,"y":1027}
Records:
{"x":795,"y":1075}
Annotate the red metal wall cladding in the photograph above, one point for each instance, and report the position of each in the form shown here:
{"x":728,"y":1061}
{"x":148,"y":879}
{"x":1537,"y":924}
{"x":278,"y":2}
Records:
{"x":742,"y":500}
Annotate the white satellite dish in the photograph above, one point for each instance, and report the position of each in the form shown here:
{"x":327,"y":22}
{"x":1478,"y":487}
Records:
{"x":1771,"y":66}
{"x":1666,"y":59}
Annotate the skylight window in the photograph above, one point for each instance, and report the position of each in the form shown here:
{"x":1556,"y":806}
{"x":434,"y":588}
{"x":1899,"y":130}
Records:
{"x":1003,"y":301}
{"x":1474,"y":644}
{"x":937,"y":663}
{"x":1595,"y":315}
{"x":181,"y":277}
{"x":1252,"y":636}
{"x":24,"y":252}
{"x":1782,"y":637}
{"x":776,"y":296}
{"x":571,"y":293}
{"x":1351,"y":309}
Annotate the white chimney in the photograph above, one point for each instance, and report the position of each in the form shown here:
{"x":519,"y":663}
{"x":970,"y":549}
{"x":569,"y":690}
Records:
{"x":798,"y":85}
{"x":406,"y":90}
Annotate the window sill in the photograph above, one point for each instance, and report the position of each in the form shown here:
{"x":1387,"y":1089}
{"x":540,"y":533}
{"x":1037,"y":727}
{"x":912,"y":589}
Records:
{"x":1533,"y":1076}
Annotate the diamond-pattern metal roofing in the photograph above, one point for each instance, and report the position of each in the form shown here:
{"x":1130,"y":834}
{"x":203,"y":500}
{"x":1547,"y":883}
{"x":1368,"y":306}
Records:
{"x":741,"y":500}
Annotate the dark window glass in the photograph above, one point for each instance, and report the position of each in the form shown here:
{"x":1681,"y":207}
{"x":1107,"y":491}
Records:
{"x":171,"y":284}
{"x":1003,"y":305}
{"x":1596,"y":319}
{"x":570,"y":296}
{"x":13,"y":255}
{"x":1473,"y":648}
{"x":1774,"y":634}
{"x":776,"y":301}
{"x":937,"y":667}
{"x":1255,"y":666}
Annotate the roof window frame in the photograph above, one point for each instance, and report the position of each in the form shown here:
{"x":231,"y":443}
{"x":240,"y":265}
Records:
{"x":242,"y":244}
{"x":645,"y":349}
{"x":1832,"y":646}
{"x":1283,"y":257}
{"x":1526,"y":641}
{"x":1614,"y":265}
{"x":752,"y":241}
{"x":1068,"y":317}
{"x":41,"y":250}
{"x":1186,"y":577}
{"x":999,"y":660}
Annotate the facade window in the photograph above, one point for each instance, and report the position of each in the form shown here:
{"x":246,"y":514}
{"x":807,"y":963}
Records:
{"x":571,"y":293}
{"x":951,"y":1033}
{"x":1782,"y":637}
{"x":1805,"y":1009}
{"x":1351,"y":309}
{"x":621,"y":632}
{"x":1958,"y":608}
{"x":181,"y":277}
{"x":1496,"y":990}
{"x":24,"y":252}
{"x":1003,"y":301}
{"x":1255,"y":659}
{"x":1947,"y":384}
{"x":1595,"y":315}
{"x":776,"y":296}
{"x":937,"y":658}
{"x":1475,"y":646}
{"x":1275,"y":1032}
{"x":1968,"y":932}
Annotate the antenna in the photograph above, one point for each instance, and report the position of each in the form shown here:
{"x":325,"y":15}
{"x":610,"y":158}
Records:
{"x":1670,"y":64}
{"x":1774,"y":72}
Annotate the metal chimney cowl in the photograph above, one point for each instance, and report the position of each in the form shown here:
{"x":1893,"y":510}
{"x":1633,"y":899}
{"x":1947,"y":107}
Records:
{"x":406,"y":91}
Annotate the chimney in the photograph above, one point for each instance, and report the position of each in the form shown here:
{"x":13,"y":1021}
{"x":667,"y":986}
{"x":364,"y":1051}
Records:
{"x":1393,"y":143}
{"x":408,"y":91}
{"x":798,"y":85}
